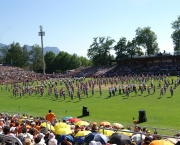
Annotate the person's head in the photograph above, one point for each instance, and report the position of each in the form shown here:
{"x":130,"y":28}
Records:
{"x":24,"y":130}
{"x":49,"y":111}
{"x":144,"y":129}
{"x":94,"y":129}
{"x":27,"y":141}
{"x":137,"y":128}
{"x":51,"y":136}
{"x":6,"y":130}
{"x":33,"y":124}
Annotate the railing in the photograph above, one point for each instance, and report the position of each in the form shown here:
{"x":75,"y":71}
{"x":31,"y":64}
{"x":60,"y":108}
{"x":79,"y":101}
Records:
{"x":9,"y":138}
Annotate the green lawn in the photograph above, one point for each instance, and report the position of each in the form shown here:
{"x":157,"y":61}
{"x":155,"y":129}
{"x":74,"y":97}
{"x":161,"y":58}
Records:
{"x":161,"y":112}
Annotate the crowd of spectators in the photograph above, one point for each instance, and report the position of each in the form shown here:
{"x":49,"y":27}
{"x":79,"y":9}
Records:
{"x":94,"y":71}
{"x":29,"y":131}
{"x":143,"y":68}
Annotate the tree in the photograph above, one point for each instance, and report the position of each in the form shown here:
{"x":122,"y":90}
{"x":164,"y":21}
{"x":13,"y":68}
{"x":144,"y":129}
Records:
{"x":14,"y":55}
{"x":99,"y":50}
{"x":62,"y":61}
{"x":49,"y":60}
{"x":176,"y":34}
{"x":147,"y":39}
{"x":25,"y":56}
{"x":3,"y":54}
{"x":133,"y":49}
{"x":36,"y":57}
{"x":74,"y":62}
{"x":120,"y":49}
{"x":84,"y":61}
{"x":107,"y":46}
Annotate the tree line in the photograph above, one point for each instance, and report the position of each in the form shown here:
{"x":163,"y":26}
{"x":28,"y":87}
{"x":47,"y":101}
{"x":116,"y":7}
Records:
{"x":145,"y":39}
{"x":32,"y":60}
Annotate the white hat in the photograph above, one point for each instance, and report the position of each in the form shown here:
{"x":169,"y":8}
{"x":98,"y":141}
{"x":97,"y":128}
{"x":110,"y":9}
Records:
{"x":51,"y":135}
{"x":52,"y":141}
{"x":33,"y":123}
{"x":41,"y":135}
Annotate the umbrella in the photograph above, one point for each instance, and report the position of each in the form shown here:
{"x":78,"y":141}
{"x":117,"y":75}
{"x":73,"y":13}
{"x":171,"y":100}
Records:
{"x":125,"y":132}
{"x":60,"y":125}
{"x":161,"y":142}
{"x":61,"y":131}
{"x":104,"y":123}
{"x":118,"y":125}
{"x":82,"y":133}
{"x":101,"y":138}
{"x":173,"y":140}
{"x":90,"y":137}
{"x":62,"y":137}
{"x":66,"y":118}
{"x":84,"y":123}
{"x":120,"y":139}
{"x":48,"y":126}
{"x":106,"y":132}
{"x":74,"y":119}
{"x":79,"y":140}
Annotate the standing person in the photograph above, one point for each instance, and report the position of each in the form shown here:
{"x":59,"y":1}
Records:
{"x":171,"y":91}
{"x":161,"y":92}
{"x":50,"y":116}
{"x":100,"y":91}
{"x":154,"y":89}
{"x":135,"y":90}
{"x":110,"y":92}
{"x":71,"y":96}
{"x":92,"y":92}
{"x":149,"y":89}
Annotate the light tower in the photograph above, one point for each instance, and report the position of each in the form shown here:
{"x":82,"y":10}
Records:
{"x":42,"y":33}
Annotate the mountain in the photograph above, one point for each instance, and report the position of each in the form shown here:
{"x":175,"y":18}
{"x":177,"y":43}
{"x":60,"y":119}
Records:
{"x":46,"y":49}
{"x":2,"y":45}
{"x":54,"y":49}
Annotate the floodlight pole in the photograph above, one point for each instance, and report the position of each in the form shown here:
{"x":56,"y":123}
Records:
{"x":42,"y":33}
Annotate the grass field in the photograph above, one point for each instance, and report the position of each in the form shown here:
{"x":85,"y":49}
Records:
{"x":161,"y":112}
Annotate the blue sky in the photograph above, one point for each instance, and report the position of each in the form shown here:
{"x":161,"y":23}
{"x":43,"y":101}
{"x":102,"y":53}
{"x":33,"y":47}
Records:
{"x":71,"y":25}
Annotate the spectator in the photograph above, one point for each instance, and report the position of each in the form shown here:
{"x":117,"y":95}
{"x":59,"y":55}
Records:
{"x":50,"y":116}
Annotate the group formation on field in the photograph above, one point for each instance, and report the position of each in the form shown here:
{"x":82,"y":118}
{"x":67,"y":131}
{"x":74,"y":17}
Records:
{"x":64,"y":88}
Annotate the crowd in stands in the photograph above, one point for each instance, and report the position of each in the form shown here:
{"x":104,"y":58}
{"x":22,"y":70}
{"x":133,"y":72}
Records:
{"x":143,"y":68}
{"x":30,"y":131}
{"x":93,"y":71}
{"x":8,"y":73}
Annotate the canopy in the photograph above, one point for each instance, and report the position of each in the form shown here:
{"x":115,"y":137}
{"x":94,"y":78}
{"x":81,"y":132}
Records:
{"x":60,"y":125}
{"x":118,"y":125}
{"x":161,"y":142}
{"x":101,"y":138}
{"x":82,"y":133}
{"x":61,"y":131}
{"x":104,"y":123}
{"x":106,"y":132}
{"x":120,"y":139}
{"x":66,"y":118}
{"x":84,"y":123}
{"x":74,"y":119}
{"x":48,"y":126}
